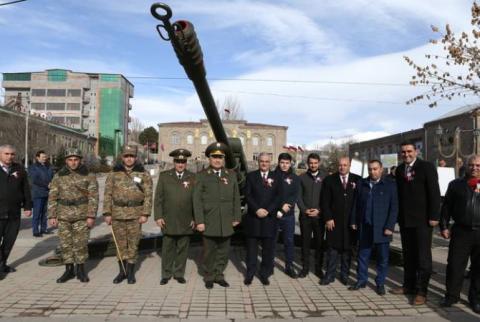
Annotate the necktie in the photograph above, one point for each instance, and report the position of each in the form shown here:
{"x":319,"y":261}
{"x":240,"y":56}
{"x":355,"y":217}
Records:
{"x":344,"y":182}
{"x":179,"y":176}
{"x":218,"y":173}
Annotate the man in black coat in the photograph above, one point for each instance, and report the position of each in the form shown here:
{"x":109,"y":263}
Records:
{"x":462,"y":203}
{"x":310,"y":218}
{"x":263,"y":194}
{"x":419,"y":212}
{"x":336,"y":203}
{"x":14,"y":194}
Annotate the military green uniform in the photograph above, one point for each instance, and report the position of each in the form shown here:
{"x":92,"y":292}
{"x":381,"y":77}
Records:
{"x":216,"y":201}
{"x":174,"y":204}
{"x":128,"y":196}
{"x":72,"y":199}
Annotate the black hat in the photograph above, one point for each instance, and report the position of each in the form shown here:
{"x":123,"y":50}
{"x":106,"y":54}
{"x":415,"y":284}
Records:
{"x":180,"y":154}
{"x":216,"y":148}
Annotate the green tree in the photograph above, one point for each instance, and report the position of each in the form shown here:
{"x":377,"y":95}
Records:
{"x":150,"y":135}
{"x":455,"y":74}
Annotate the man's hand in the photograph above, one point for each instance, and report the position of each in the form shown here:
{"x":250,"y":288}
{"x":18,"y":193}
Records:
{"x":142,"y":219}
{"x":161,"y":223}
{"x":108,"y":220}
{"x":53,"y":222}
{"x":433,"y":223}
{"x":261,"y":213}
{"x":90,"y":222}
{"x":27,"y":213}
{"x":286,"y":207}
{"x":387,"y":232}
{"x":192,"y":224}
{"x":201,"y":227}
{"x":235,"y":223}
{"x":314,"y":212}
{"x":445,"y":233}
{"x":330,"y":225}
{"x":354,"y":227}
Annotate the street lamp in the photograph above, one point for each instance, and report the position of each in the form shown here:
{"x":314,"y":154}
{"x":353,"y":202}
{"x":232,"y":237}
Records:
{"x":27,"y":114}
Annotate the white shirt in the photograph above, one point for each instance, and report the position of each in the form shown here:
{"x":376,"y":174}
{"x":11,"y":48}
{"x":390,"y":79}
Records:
{"x":218,"y":173}
{"x":264,"y":175}
{"x":179,"y":175}
{"x":344,"y":176}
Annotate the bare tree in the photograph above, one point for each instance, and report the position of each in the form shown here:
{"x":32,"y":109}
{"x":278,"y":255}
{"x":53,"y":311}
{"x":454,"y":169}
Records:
{"x":230,"y":108}
{"x":136,"y":127}
{"x":455,"y":74}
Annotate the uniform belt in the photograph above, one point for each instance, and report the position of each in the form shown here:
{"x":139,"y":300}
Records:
{"x":76,"y":202}
{"x":131,"y":203}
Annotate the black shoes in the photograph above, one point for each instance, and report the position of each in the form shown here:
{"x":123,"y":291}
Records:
{"x":223,"y":283}
{"x":264,"y":281}
{"x":291,"y":272}
{"x":476,"y":308}
{"x":122,"y":266}
{"x":303,"y":273}
{"x":356,"y":286}
{"x":248,"y":280}
{"x":344,"y":280}
{"x":81,"y":275}
{"x":326,"y":281}
{"x":447,"y":302}
{"x":68,"y":274}
{"x":164,"y":281}
{"x":131,"y":273}
{"x":209,"y":285}
{"x":8,"y":269}
{"x":37,"y":235}
{"x":319,"y":273}
{"x":380,"y":290}
{"x":180,"y":280}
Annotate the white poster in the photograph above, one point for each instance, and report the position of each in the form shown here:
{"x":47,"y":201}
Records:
{"x":445,"y":175}
{"x":356,"y":167}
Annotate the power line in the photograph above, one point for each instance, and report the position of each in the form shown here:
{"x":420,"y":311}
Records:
{"x":11,"y":2}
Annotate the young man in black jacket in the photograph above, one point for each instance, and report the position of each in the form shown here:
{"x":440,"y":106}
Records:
{"x":462,"y":204}
{"x":310,"y":215}
{"x":14,"y":195}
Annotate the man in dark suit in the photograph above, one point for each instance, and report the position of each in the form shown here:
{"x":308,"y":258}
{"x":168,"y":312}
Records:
{"x":336,"y":204}
{"x":310,"y":218}
{"x":419,"y":212}
{"x":462,"y":203}
{"x":374,"y":216}
{"x":263,"y":194}
{"x":14,"y":195}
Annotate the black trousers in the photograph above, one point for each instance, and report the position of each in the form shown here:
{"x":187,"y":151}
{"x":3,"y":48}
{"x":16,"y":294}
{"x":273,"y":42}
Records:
{"x":266,"y":266}
{"x":464,"y":243}
{"x":8,"y":235}
{"x":309,"y":226}
{"x":345,"y":262}
{"x":417,"y":258}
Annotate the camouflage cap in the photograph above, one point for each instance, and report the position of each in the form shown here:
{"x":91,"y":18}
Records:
{"x":180,"y":154}
{"x":216,"y":148}
{"x":129,"y":150}
{"x":73,"y":152}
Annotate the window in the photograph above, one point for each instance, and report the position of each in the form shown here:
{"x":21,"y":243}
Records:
{"x":58,"y":119}
{"x":73,"y":106}
{"x":203,"y":139}
{"x":17,"y":76}
{"x":56,"y":92}
{"x":38,"y":92}
{"x":72,"y":120}
{"x":74,"y":92}
{"x":269,"y":141}
{"x":55,"y":106}
{"x":57,"y":75}
{"x":175,"y":139}
{"x":255,"y":140}
{"x":189,"y":139}
{"x":38,"y":106}
{"x":109,"y":77}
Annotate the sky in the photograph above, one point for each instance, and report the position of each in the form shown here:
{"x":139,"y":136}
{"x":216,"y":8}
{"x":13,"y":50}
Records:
{"x":330,"y":70}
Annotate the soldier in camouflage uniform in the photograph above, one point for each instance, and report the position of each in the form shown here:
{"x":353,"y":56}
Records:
{"x":72,"y":206}
{"x":174,"y":215}
{"x":126,"y":206}
{"x":216,"y":202}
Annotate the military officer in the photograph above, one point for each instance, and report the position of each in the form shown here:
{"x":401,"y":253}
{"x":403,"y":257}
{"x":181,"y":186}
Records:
{"x":126,"y":206}
{"x":216,"y":202}
{"x":173,"y":213}
{"x":72,"y":207}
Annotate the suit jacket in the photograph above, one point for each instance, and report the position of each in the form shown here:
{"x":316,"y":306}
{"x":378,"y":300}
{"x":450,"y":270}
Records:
{"x":310,"y":192}
{"x":14,"y":191}
{"x":419,"y":197}
{"x":336,"y":204}
{"x":462,"y":204}
{"x":260,"y":195}
{"x":384,"y":208}
{"x":290,"y":189}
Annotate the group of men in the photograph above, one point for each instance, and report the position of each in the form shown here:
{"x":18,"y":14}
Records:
{"x":340,"y":211}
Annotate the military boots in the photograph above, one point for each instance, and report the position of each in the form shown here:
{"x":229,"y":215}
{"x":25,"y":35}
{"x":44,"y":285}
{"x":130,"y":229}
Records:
{"x":131,"y":273}
{"x":122,"y":265}
{"x":67,"y":275}
{"x":81,"y":275}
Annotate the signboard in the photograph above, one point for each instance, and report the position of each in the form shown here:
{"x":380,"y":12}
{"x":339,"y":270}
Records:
{"x":445,"y":175}
{"x":389,"y":160}
{"x":356,"y":167}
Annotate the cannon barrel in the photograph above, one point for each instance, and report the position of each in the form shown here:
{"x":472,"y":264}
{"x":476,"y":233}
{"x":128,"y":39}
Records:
{"x":185,"y":43}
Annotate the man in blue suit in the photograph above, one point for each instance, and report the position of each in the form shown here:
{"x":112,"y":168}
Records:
{"x":374,"y":215}
{"x":263,"y":193}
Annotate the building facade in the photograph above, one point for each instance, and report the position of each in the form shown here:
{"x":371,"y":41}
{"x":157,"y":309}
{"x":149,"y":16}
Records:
{"x":45,"y":135}
{"x":97,"y":104}
{"x":196,"y":136}
{"x":453,"y":136}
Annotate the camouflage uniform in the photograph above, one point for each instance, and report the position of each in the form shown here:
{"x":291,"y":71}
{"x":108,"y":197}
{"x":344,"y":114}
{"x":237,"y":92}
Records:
{"x":128,"y":195}
{"x":72,"y":199}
